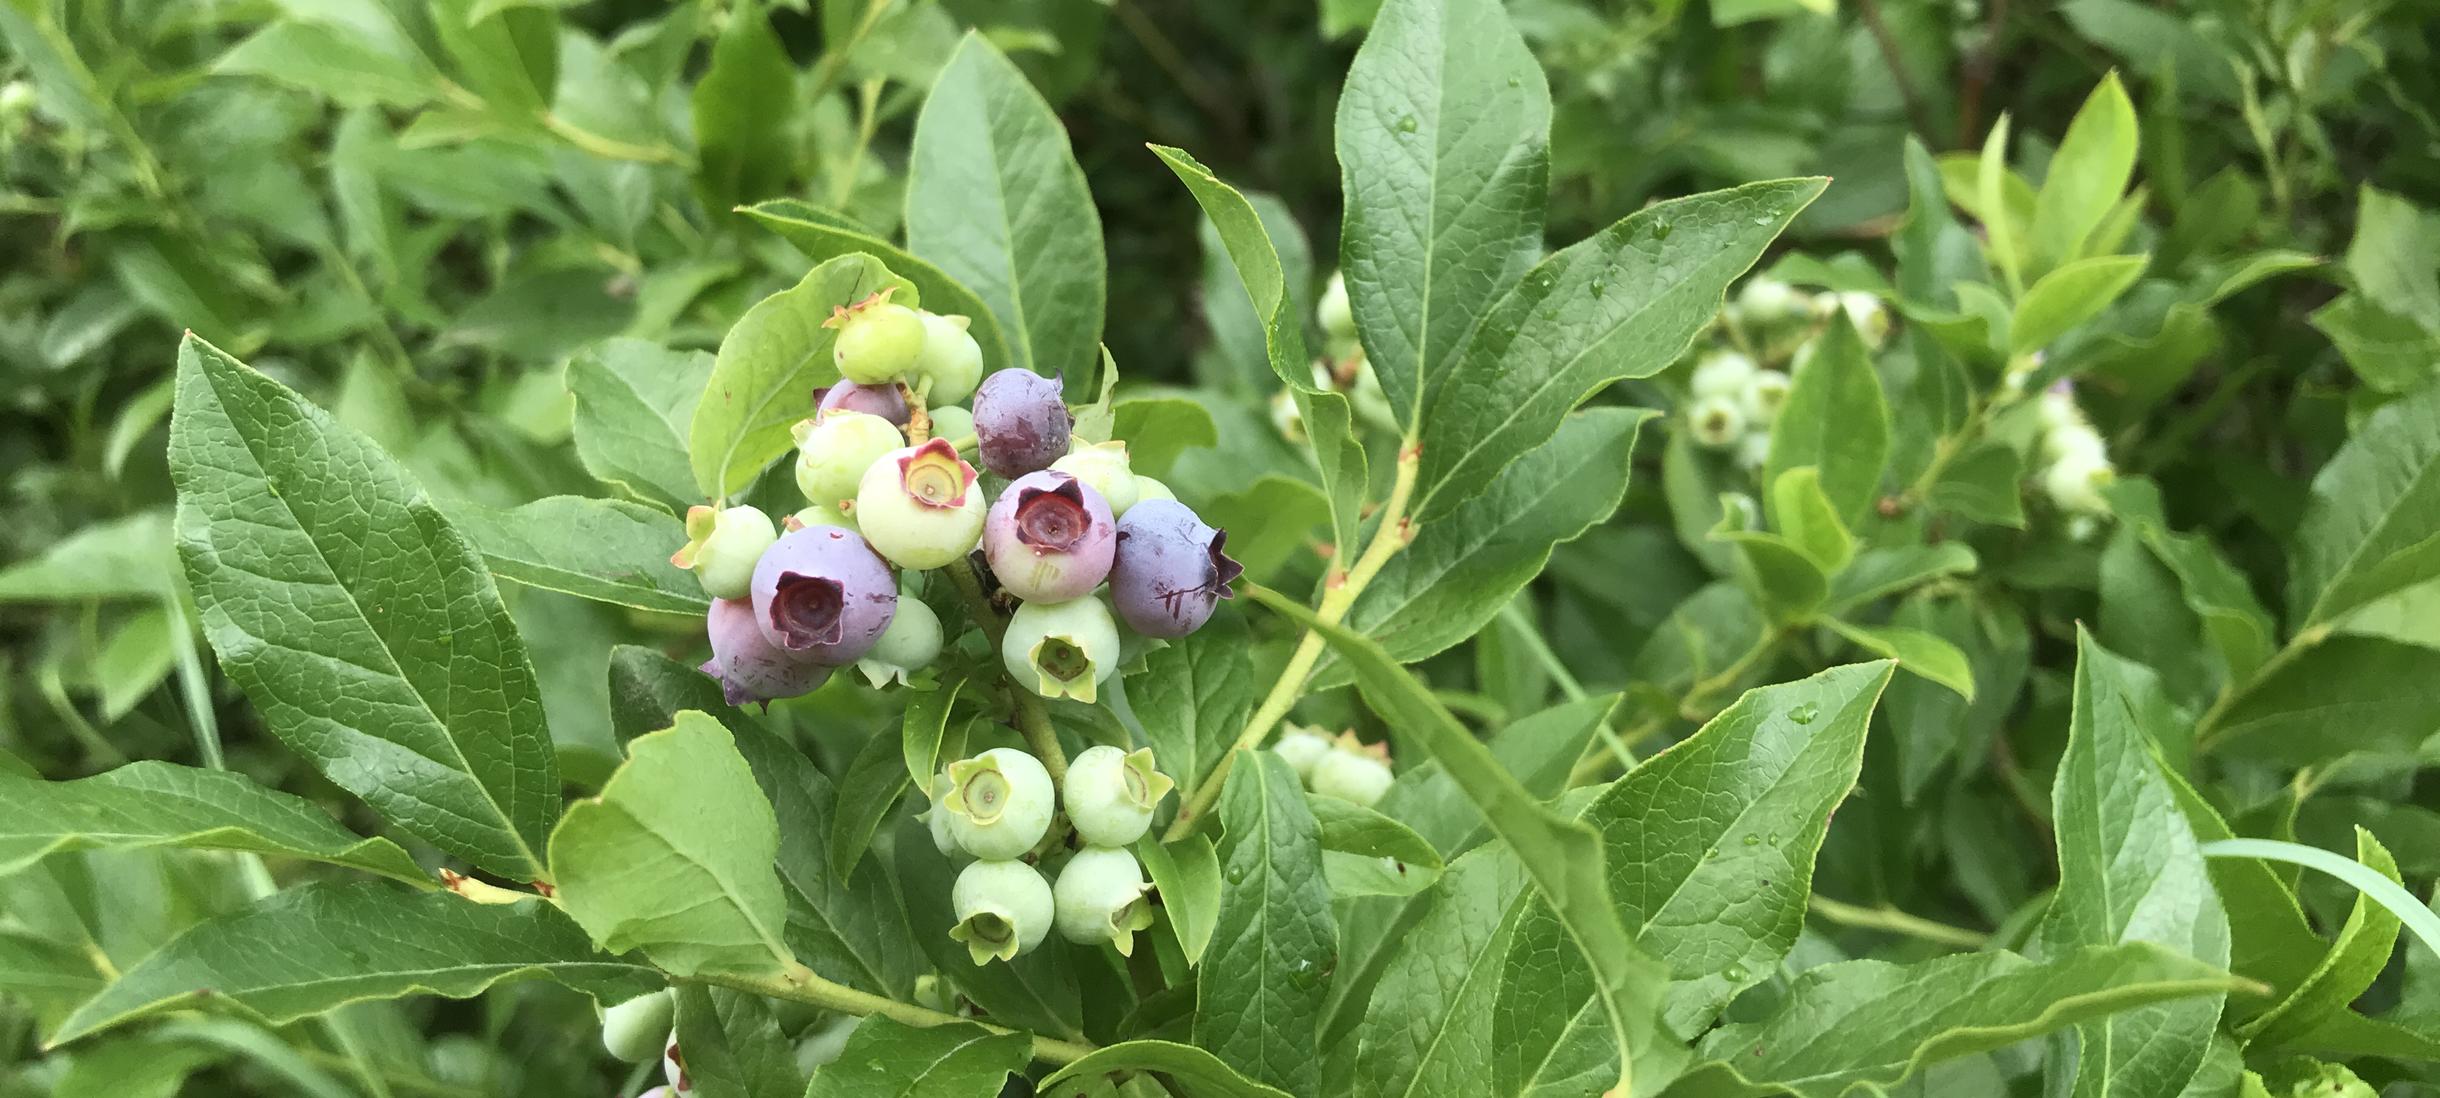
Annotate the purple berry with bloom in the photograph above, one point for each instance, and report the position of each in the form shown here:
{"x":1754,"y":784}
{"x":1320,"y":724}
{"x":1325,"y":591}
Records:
{"x":1169,"y":571}
{"x":823,"y":593}
{"x":1049,"y":538}
{"x":872,"y":400}
{"x":751,"y":668}
{"x":1020,"y":423}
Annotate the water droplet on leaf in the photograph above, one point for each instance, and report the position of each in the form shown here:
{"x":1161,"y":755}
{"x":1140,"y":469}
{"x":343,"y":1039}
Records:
{"x":1406,"y":124}
{"x":1805,"y":713}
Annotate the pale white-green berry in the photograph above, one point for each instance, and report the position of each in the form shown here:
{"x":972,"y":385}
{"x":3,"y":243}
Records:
{"x":1865,"y":311}
{"x":951,"y":361}
{"x":2077,"y":440}
{"x":1000,"y":803}
{"x":1147,"y":488}
{"x":834,"y":450}
{"x":1003,"y":908}
{"x":1336,"y":316}
{"x":722,"y":547}
{"x":952,"y":422}
{"x":920,"y":506}
{"x":1061,"y":649}
{"x":1351,"y":777}
{"x":1754,"y":450}
{"x":824,"y":1043}
{"x":1770,"y":301}
{"x":1302,"y":747}
{"x":636,"y":1030}
{"x":1722,"y":373}
{"x":1716,"y":421}
{"x":824,"y":514}
{"x":909,"y":645}
{"x":1110,"y":794}
{"x":1100,"y":899}
{"x":936,"y":818}
{"x":1764,"y":396}
{"x":1103,"y":467}
{"x":2075,"y":481}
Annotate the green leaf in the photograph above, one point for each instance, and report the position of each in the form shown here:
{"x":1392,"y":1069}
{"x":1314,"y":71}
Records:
{"x":1193,"y":697}
{"x":648,"y":689}
{"x":2130,"y":870}
{"x":2069,"y":296}
{"x":634,"y":401}
{"x":2361,"y":951}
{"x":2377,"y":884}
{"x":1562,"y":856}
{"x":851,"y":929}
{"x":744,"y":111}
{"x":768,"y":367}
{"x":2087,"y":173}
{"x":2002,"y":202}
{"x":733,"y":1047}
{"x":1622,"y":304}
{"x":887,"y":1059}
{"x":1879,"y":572}
{"x":2345,"y":694}
{"x":1187,"y":873}
{"x":1835,"y":420}
{"x":352,"y":68}
{"x":2390,"y":257}
{"x":2391,"y":353}
{"x":1784,"y":579}
{"x":139,"y":1067}
{"x":878,"y":776}
{"x":1932,"y":723}
{"x":2270,"y":938}
{"x":2372,"y":526}
{"x":674,"y":857}
{"x":1337,"y":452}
{"x":994,"y":197}
{"x":131,"y":557}
{"x":923,"y":728}
{"x":1200,"y":1071}
{"x":1917,"y":652}
{"x":606,"y":550}
{"x":1037,"y":991}
{"x":1981,"y":484}
{"x":1710,"y":849}
{"x":156,"y":804}
{"x":388,"y":660}
{"x":342,"y":943}
{"x":1428,"y":1026}
{"x":1350,"y":828}
{"x":1805,"y":517}
{"x":1872,"y":1024}
{"x":1462,"y":568}
{"x":1158,"y":429}
{"x":2233,"y":621}
{"x":1258,"y":997}
{"x":823,"y":236}
{"x":1443,"y":147}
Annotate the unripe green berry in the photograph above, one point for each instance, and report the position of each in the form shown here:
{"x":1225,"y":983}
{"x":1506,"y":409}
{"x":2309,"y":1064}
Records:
{"x":1000,"y":803}
{"x":823,"y":514}
{"x":1716,"y":421}
{"x":1763,"y":397}
{"x":1754,"y":450}
{"x":2075,"y":480}
{"x":1103,"y":467}
{"x":909,"y":645}
{"x":1061,"y":649}
{"x":1110,"y":794}
{"x":1302,"y":747}
{"x":877,"y":341}
{"x":1722,"y":374}
{"x":722,"y":547}
{"x":951,"y":361}
{"x":1100,"y":898}
{"x":920,"y":507}
{"x":952,"y":422}
{"x":1004,"y":909}
{"x":936,"y":818}
{"x":1351,"y":777}
{"x":637,"y":1030}
{"x":834,"y":450}
{"x":1147,"y":488}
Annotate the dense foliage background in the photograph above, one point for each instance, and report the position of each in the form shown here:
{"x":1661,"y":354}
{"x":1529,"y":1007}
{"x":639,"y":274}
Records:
{"x":420,"y":215}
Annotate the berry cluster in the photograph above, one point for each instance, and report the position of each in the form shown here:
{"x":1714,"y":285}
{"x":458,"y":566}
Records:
{"x":889,"y":492}
{"x":1346,"y":768}
{"x":997,"y":808}
{"x":2078,"y":460}
{"x":1738,"y":387}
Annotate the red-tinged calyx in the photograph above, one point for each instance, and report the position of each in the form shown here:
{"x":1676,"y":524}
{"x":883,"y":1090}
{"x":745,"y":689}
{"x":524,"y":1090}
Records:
{"x":934,"y":476}
{"x":841,"y":314}
{"x":700,"y":521}
{"x":1055,"y":519}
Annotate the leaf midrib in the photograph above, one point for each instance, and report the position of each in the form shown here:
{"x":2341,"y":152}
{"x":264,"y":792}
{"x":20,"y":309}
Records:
{"x":417,"y":502}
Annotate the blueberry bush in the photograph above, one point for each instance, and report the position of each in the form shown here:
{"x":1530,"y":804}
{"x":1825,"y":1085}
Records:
{"x":1363,"y":548}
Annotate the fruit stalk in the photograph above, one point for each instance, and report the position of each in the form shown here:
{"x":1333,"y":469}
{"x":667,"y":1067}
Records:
{"x":807,"y":987}
{"x":1032,"y":720}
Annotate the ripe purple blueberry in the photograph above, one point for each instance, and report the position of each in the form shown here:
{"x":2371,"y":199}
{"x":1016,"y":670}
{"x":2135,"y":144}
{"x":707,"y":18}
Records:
{"x":751,"y":668}
{"x":1169,"y":571}
{"x":823,"y":592}
{"x":1020,"y":422}
{"x":872,"y":400}
{"x":1049,"y":538}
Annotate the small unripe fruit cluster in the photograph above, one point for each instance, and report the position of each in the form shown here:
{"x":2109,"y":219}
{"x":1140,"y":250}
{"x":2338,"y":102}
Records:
{"x":1738,"y":386}
{"x":2076,"y":460}
{"x":997,"y":807}
{"x":1346,"y":768}
{"x":1735,"y":403}
{"x":1342,"y":366}
{"x":887,"y":491}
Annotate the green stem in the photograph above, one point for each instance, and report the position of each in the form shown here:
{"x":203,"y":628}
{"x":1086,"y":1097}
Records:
{"x":810,"y":988}
{"x":2207,"y":730}
{"x":1395,"y":532}
{"x":1891,"y":920}
{"x":1522,"y":630}
{"x":1032,"y":718}
{"x":1698,"y":696}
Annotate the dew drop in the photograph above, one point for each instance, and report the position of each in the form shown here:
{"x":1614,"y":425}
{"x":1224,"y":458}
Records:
{"x":1516,"y":81}
{"x":1600,"y":287}
{"x":1774,"y":838}
{"x":1406,"y":124}
{"x":1753,"y":839}
{"x":1734,"y":972}
{"x":1805,"y":713}
{"x":1661,"y":228}
{"x":1762,"y":219}
{"x":1236,"y":874}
